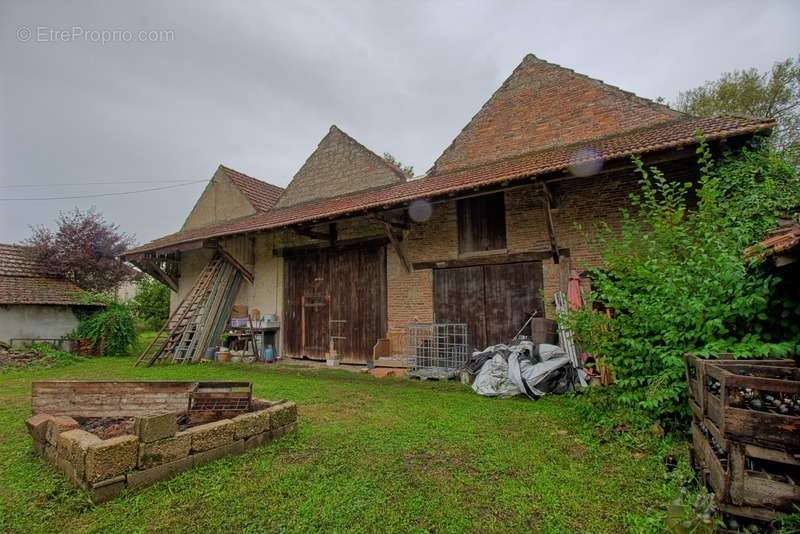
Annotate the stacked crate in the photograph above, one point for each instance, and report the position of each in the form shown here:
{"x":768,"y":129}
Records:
{"x":746,"y":433}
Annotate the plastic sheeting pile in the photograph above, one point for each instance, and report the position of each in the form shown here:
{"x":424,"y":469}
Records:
{"x":525,"y":368}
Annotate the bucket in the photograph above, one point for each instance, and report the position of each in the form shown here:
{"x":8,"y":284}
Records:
{"x":223,"y":355}
{"x":209,"y":354}
{"x":268,"y":355}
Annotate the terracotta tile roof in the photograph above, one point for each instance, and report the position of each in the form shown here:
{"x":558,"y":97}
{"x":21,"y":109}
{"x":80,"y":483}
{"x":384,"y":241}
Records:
{"x":24,"y":280}
{"x":782,"y":240}
{"x":261,"y":195}
{"x":672,"y":134}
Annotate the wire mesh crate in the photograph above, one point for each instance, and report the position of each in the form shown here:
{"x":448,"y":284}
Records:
{"x":435,"y":350}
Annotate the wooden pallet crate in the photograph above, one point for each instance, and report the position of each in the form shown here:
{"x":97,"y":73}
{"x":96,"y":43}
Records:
{"x":748,"y":480}
{"x":732,"y":411}
{"x":696,"y":379}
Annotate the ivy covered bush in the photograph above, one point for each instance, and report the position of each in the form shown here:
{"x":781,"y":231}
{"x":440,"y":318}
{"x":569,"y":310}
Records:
{"x":111,"y":329}
{"x":676,"y":279}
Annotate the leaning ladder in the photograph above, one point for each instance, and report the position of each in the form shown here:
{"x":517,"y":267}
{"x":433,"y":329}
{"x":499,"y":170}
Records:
{"x":178,"y":325}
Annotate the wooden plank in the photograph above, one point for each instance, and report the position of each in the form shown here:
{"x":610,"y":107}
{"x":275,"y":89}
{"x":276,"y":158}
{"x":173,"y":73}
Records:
{"x":245,"y":272}
{"x":492,"y":259}
{"x":108,"y":398}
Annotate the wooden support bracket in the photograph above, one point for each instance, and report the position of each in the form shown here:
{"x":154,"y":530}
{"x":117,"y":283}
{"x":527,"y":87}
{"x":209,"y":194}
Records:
{"x":551,"y":227}
{"x":398,"y":247}
{"x":246,"y":274}
{"x":153,"y":268}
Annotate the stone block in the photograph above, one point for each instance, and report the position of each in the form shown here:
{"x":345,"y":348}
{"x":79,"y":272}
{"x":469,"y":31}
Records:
{"x":106,"y":490}
{"x":111,"y":457}
{"x":37,"y":426}
{"x":58,"y":424}
{"x":152,"y":427}
{"x":258,"y":439}
{"x":79,"y":442}
{"x":50,"y":453}
{"x":282,"y":415}
{"x":39,"y":447}
{"x":250,"y":424}
{"x":282,"y":431}
{"x":211,"y":435}
{"x":236,"y":447}
{"x":146,"y":477}
{"x":164,"y":450}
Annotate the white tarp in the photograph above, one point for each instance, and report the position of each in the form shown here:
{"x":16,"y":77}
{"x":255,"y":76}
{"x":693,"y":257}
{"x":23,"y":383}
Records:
{"x":511,"y":371}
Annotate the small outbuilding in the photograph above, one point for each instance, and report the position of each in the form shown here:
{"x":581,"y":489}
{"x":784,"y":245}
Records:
{"x":34,"y":303}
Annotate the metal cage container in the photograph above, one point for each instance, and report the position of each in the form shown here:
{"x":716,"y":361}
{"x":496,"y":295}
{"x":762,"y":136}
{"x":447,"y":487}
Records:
{"x":435,"y":350}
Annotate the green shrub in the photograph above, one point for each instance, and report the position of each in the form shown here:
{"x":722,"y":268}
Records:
{"x":151,"y":303}
{"x":677,"y":281}
{"x":111,"y":329}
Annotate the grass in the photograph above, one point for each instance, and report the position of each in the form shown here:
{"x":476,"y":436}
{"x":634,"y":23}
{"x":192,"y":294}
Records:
{"x":369,"y":455}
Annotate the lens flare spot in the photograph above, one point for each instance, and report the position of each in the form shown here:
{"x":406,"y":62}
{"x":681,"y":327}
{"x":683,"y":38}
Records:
{"x":585,"y":162}
{"x":420,"y":210}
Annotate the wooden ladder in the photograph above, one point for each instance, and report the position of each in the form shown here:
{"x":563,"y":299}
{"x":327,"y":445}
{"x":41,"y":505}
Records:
{"x":182,"y":324}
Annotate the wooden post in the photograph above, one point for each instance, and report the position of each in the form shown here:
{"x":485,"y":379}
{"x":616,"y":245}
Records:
{"x":551,"y":227}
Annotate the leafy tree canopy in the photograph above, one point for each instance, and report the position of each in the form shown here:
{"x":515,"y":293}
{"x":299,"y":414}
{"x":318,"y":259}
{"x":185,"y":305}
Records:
{"x":151,"y":303}
{"x":83,"y":248}
{"x":408,"y":170}
{"x":774,"y":95}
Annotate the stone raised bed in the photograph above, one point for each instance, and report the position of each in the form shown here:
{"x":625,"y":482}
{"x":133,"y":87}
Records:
{"x":157,"y":447}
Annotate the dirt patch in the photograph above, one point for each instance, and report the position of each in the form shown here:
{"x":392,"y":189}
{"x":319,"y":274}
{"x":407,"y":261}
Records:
{"x":107,"y":427}
{"x":17,"y":359}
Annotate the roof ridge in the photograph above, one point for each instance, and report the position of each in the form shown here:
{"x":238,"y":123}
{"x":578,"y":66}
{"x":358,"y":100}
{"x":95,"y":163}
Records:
{"x":527,"y":61}
{"x":631,"y":94}
{"x":311,"y":165}
{"x":349,"y":137}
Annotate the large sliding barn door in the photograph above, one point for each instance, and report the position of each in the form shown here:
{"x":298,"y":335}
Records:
{"x":493,"y":300}
{"x":339,"y":294}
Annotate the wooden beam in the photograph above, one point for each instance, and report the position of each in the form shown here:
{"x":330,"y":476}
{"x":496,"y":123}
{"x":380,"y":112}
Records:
{"x":340,"y":245}
{"x":246,"y":274}
{"x":551,"y":227}
{"x":398,"y":247}
{"x":493,"y":259}
{"x":306,"y":231}
{"x":152,"y":268}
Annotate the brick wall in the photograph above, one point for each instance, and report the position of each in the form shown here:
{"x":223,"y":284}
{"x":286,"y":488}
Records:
{"x":581,"y":203}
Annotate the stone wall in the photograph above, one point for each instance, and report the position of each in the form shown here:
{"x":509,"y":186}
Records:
{"x":156,"y":451}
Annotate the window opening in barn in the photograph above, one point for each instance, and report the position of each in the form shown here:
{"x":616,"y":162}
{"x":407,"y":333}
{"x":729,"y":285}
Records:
{"x":482,"y":223}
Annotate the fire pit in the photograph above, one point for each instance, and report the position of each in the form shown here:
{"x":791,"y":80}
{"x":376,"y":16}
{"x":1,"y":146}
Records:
{"x":108,"y":436}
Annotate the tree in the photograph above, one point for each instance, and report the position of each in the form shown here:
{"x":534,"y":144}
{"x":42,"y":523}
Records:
{"x":151,"y":302}
{"x":774,"y":95}
{"x":84,"y":249}
{"x":408,"y":170}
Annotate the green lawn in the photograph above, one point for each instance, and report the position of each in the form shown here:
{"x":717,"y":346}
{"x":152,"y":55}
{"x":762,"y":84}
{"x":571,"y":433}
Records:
{"x":369,"y":455}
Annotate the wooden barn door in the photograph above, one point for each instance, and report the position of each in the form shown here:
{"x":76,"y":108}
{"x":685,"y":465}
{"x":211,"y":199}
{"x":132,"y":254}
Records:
{"x":458,"y":298}
{"x":339,"y":294}
{"x":493,"y":300}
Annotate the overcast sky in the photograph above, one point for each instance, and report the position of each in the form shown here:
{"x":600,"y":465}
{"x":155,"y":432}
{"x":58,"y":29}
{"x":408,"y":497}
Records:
{"x":256,"y":85}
